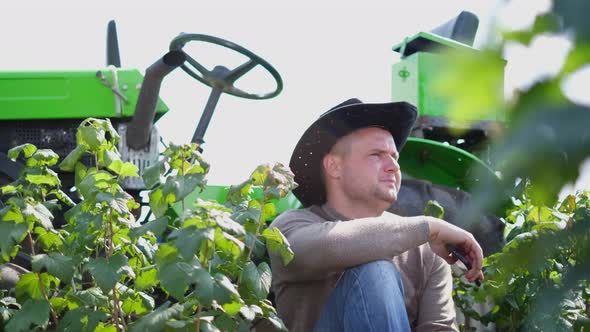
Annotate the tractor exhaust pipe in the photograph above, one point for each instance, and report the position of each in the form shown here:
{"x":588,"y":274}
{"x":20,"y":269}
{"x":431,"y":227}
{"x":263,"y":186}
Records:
{"x":139,"y":129}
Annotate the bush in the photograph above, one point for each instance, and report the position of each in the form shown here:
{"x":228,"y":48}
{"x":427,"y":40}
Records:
{"x":102,"y":271}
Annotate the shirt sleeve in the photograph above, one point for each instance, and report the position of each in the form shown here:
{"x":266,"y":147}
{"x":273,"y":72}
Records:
{"x":436,"y":309}
{"x":324,"y":247}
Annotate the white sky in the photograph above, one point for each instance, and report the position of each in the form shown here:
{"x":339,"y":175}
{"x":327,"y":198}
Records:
{"x":325,"y":51}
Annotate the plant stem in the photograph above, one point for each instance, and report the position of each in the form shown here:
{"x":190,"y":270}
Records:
{"x":44,"y":291}
{"x":262,"y":221}
{"x":111,"y":233}
{"x":199,"y":318}
{"x":31,"y":243}
{"x":116,"y":309}
{"x":182,"y":174}
{"x":41,"y":285}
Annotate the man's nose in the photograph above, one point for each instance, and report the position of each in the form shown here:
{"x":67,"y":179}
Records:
{"x":392,"y":165}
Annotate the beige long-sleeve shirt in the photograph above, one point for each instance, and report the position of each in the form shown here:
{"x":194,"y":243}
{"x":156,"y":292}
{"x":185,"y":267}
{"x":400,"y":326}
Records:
{"x":326,"y":246}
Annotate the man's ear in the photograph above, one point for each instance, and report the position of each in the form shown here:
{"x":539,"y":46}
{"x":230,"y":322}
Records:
{"x":332,"y":164}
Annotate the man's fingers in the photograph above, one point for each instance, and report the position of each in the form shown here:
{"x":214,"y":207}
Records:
{"x":451,"y":259}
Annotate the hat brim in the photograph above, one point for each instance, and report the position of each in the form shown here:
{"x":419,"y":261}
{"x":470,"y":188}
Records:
{"x":398,"y":118}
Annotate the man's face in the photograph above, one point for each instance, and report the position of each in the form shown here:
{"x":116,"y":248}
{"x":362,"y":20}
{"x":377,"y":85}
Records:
{"x":369,"y":168}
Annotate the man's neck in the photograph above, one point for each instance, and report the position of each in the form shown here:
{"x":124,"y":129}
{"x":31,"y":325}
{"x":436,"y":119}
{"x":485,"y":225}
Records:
{"x":354,"y":211}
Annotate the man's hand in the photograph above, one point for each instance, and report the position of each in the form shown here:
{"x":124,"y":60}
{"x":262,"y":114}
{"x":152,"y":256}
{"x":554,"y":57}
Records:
{"x":442,"y":233}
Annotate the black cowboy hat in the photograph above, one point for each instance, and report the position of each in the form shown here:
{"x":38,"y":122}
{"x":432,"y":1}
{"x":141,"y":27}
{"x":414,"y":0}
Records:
{"x":398,"y":118}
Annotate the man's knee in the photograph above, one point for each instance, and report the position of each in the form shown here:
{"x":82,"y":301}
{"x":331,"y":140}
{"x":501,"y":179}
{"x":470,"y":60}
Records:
{"x":376,"y":270}
{"x":376,"y":277}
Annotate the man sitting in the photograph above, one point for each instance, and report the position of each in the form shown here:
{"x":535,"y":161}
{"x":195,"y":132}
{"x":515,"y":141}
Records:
{"x":357,"y":267}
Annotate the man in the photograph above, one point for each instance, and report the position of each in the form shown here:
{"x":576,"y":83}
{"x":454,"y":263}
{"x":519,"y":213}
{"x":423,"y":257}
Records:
{"x":356,"y":267}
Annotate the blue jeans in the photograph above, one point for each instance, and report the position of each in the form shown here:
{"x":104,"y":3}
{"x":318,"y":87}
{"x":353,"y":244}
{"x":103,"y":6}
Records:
{"x":368,"y":297}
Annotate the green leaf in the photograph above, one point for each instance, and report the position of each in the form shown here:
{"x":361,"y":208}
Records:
{"x":70,"y":161}
{"x":139,"y":303}
{"x":279,"y":182}
{"x":269,"y":211}
{"x":174,"y":278}
{"x":156,"y":226}
{"x":43,"y":157}
{"x":156,"y":320}
{"x":225,"y":323}
{"x":11,"y":234}
{"x":151,"y":174}
{"x":106,"y":158}
{"x":58,"y":304}
{"x":129,"y":169}
{"x":276,"y":322}
{"x":94,"y":182}
{"x":221,"y":217}
{"x":74,"y":320}
{"x":50,"y":240}
{"x":32,"y":313}
{"x":182,"y":186}
{"x":63,"y":197}
{"x":90,"y":135}
{"x":568,"y":205}
{"x":246,"y":217}
{"x":544,"y":23}
{"x":146,"y":279}
{"x":56,"y":264}
{"x":188,"y":240}
{"x":250,"y":312}
{"x":47,"y":179}
{"x":276,"y":241}
{"x":102,"y":328}
{"x":577,"y":58}
{"x":208,"y":327}
{"x":224,"y":290}
{"x":232,"y":308}
{"x":433,"y":209}
{"x":107,"y":272}
{"x":173,"y":272}
{"x":259,"y":175}
{"x":239,"y":193}
{"x":92,"y":297}
{"x":158,"y":202}
{"x":228,"y":244}
{"x":39,"y":213}
{"x":204,"y":286}
{"x":256,"y":280}
{"x":27,"y":150}
{"x":82,"y":319}
{"x":8,"y":189}
{"x":485,"y":97}
{"x":540,"y":214}
{"x":124,"y":168}
{"x":29,"y":285}
{"x":12,"y":213}
{"x":111,"y":134}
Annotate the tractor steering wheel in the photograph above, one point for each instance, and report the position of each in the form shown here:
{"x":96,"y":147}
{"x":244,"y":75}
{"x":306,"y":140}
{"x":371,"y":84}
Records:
{"x":221,"y":77}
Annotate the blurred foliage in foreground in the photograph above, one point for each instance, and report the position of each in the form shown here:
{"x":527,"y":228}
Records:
{"x":540,"y":280}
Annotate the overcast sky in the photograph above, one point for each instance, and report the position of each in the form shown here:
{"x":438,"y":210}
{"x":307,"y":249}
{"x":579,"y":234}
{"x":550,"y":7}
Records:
{"x":326,"y":52}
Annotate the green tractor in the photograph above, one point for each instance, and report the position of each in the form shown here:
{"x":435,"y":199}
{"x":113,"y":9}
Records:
{"x":46,"y":107}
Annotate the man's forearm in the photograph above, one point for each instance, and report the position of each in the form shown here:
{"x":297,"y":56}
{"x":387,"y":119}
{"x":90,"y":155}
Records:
{"x":325,"y":247}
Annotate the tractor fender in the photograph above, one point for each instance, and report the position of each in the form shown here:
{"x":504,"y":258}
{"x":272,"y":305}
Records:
{"x":8,"y":167}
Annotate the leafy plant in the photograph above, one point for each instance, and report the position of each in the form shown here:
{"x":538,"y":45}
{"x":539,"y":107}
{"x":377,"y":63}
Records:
{"x":539,"y":280}
{"x":195,"y":266}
